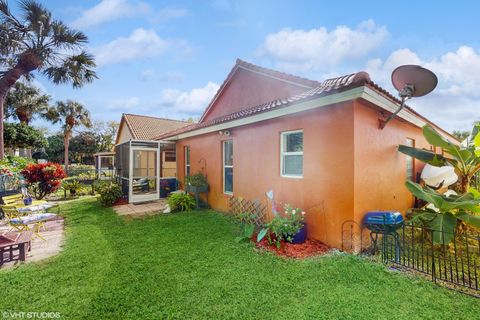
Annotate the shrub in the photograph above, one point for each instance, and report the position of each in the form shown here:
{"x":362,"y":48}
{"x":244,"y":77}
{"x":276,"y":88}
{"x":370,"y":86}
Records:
{"x":72,"y":185}
{"x":14,"y":163}
{"x":181,"y":202}
{"x":110,"y":192}
{"x":43,"y":178}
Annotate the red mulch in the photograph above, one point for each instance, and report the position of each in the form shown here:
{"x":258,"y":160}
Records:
{"x":120,"y":202}
{"x":307,"y":249}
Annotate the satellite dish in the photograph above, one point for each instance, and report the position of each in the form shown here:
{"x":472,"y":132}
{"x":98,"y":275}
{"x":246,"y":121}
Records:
{"x":421,"y":80}
{"x":411,"y":81}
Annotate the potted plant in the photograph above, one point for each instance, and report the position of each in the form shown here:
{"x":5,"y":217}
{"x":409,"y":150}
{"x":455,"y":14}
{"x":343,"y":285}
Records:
{"x":288,"y":226}
{"x":196,"y":183}
{"x":72,"y":186}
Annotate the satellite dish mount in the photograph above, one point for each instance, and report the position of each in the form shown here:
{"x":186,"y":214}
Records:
{"x":410,"y":81}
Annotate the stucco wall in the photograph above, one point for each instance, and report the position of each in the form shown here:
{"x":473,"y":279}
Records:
{"x":380,"y":170}
{"x":124,"y":134}
{"x":249,"y":89}
{"x":326,"y":189}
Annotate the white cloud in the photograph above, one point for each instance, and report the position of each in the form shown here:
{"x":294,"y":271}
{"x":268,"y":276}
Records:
{"x":321,"y":49}
{"x":192,"y":102}
{"x":168,"y":13}
{"x":109,"y":10}
{"x":123,"y":104}
{"x":455,"y":103}
{"x":141,"y":43}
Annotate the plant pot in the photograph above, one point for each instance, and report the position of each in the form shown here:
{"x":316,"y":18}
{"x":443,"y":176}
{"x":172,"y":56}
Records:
{"x":27,"y":201}
{"x":196,"y":189}
{"x":73,"y":192}
{"x":301,"y":235}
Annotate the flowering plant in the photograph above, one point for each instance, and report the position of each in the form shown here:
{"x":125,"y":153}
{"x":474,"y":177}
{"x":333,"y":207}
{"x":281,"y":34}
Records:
{"x":283,"y":226}
{"x":43,"y":178}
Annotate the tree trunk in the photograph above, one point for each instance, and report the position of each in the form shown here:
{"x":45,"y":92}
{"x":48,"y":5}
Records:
{"x":28,"y":62}
{"x":66,"y":143}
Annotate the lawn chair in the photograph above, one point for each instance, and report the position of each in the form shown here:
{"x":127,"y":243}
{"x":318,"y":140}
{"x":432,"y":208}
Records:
{"x":17,"y":200}
{"x":21,"y":222}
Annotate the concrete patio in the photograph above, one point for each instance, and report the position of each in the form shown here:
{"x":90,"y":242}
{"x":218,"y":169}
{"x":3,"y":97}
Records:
{"x":140,"y":210}
{"x":54,"y":238}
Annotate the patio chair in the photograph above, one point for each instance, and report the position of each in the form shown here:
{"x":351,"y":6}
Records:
{"x":17,"y":200}
{"x":21,"y":222}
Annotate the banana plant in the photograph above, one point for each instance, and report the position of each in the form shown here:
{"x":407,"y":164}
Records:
{"x":464,"y":159}
{"x":447,"y":211}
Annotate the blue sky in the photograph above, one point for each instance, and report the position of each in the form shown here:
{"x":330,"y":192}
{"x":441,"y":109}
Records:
{"x":167,"y":58}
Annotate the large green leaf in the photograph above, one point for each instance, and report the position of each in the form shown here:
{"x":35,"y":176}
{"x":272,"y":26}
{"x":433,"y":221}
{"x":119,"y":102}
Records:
{"x":443,"y":226}
{"x":469,"y":219}
{"x":436,"y":139}
{"x":426,"y":156}
{"x":426,"y":194}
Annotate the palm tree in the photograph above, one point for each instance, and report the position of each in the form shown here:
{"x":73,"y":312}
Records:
{"x":34,"y":41}
{"x":70,"y":114}
{"x":24,"y":102}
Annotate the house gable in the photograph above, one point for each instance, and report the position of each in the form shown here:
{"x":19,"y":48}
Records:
{"x":248,"y":85}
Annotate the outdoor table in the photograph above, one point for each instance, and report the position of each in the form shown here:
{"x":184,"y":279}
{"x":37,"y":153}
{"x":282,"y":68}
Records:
{"x":35,"y":208}
{"x":14,"y":241}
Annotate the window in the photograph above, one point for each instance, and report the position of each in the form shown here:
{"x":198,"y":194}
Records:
{"x":228,"y":167}
{"x":187,"y":161}
{"x":291,"y":154}
{"x":170,"y":156}
{"x":409,"y":161}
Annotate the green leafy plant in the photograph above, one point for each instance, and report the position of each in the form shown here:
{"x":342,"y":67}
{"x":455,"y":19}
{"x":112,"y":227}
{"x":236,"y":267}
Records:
{"x":284,"y":226}
{"x":196,"y":180}
{"x":248,"y":228}
{"x":464,"y":159}
{"x":109,"y":192}
{"x":447,"y":211}
{"x":181,"y":202}
{"x":71,"y":185}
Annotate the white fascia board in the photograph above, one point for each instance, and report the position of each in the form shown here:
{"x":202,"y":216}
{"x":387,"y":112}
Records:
{"x":291,"y":109}
{"x":360,"y":92}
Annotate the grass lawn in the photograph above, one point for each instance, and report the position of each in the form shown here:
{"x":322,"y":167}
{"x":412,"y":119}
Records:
{"x":188,"y":265}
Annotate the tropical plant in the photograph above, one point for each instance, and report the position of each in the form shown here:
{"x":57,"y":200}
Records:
{"x":14,"y":163}
{"x":248,"y":228}
{"x":181,"y":201}
{"x":71,"y":114}
{"x":34,"y":41}
{"x":283,"y":226}
{"x":71,"y":185}
{"x":24,"y":102}
{"x":464,"y":159}
{"x":110,"y":192}
{"x":43,"y":178}
{"x":447,"y":211}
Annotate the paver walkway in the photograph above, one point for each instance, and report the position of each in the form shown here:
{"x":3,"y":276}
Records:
{"x":141,"y":209}
{"x":54,"y":238}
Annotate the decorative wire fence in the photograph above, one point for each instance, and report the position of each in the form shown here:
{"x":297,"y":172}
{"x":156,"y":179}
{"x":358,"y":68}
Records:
{"x":455,"y":264}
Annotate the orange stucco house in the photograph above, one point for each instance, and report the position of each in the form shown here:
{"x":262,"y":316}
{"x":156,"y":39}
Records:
{"x":317,"y":145}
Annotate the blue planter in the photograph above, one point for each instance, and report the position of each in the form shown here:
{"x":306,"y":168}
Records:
{"x":301,"y":235}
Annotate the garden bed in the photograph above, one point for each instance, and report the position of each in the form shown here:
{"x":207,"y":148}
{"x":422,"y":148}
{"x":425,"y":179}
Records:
{"x":307,"y":249}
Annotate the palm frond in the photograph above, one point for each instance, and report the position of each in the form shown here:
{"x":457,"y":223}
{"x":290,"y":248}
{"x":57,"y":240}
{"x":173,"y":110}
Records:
{"x":76,"y":69}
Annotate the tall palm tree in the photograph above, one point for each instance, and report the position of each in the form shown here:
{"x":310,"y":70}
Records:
{"x":70,"y":114}
{"x":24,"y":102}
{"x":34,"y":41}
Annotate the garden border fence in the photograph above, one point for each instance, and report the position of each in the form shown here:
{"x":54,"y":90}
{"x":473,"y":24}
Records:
{"x":455,"y":264}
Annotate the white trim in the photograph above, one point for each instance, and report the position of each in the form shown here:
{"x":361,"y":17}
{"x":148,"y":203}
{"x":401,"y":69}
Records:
{"x":284,"y":153}
{"x":360,"y":92}
{"x":185,"y":159}
{"x":226,"y":166}
{"x":291,"y":109}
{"x":148,"y":197}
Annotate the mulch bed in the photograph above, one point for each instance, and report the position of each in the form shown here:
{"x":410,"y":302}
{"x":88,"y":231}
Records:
{"x":120,"y":202}
{"x":307,"y":249}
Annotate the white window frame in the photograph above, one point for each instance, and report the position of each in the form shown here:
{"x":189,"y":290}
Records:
{"x":411,"y":143}
{"x":226,"y":166}
{"x":283,"y":153}
{"x":187,"y":163}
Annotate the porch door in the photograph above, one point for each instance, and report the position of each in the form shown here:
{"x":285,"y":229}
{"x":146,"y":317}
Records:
{"x":144,"y":173}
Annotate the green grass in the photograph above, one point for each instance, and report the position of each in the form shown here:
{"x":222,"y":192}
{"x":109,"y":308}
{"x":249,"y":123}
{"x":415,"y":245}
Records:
{"x":188,"y":266}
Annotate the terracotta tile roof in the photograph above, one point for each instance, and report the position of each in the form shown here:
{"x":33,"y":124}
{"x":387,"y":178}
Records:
{"x":327,"y":87}
{"x":307,"y":83}
{"x":147,"y":127}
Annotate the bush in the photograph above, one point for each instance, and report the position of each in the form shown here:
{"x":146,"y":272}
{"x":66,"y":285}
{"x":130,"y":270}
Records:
{"x":43,"y":178}
{"x":14,"y":163}
{"x":181,"y":202}
{"x":110,"y":192}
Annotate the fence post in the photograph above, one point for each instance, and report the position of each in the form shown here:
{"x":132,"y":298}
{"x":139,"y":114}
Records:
{"x":433,"y":256}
